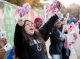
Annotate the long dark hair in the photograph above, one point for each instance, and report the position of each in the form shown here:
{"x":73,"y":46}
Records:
{"x":61,"y":28}
{"x":35,"y":35}
{"x":25,"y":35}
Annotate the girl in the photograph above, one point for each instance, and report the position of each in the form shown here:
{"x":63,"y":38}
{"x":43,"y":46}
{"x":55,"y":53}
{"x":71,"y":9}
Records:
{"x":29,"y":43}
{"x":56,"y":41}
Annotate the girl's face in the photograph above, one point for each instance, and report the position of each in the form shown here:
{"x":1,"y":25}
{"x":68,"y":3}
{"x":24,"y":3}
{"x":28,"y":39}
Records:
{"x":57,"y":24}
{"x":29,"y":28}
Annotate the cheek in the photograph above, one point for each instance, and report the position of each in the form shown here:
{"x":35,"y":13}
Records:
{"x":26,"y":29}
{"x":59,"y":25}
{"x":56,"y":25}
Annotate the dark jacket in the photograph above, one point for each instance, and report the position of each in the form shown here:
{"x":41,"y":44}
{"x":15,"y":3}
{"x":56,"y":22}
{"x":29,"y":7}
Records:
{"x":56,"y":43}
{"x":22,"y":48}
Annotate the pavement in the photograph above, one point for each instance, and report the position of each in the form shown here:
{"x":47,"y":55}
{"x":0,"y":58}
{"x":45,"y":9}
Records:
{"x":73,"y":54}
{"x":77,"y":47}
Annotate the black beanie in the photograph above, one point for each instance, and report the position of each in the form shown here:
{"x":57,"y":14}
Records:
{"x":55,"y":18}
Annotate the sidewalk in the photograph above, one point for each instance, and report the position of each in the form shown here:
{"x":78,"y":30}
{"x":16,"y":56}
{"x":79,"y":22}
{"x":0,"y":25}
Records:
{"x":73,"y":54}
{"x":77,"y":47}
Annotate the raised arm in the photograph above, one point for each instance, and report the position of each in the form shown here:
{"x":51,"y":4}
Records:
{"x":18,"y":35}
{"x":45,"y":30}
{"x":18,"y":40}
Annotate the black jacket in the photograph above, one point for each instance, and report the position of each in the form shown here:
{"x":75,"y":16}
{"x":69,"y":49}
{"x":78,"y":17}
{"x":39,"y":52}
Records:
{"x":23,"y":50}
{"x":56,"y":43}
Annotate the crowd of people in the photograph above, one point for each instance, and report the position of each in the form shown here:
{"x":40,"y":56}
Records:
{"x":30,"y":37}
{"x":31,"y":34}
{"x":4,"y":45}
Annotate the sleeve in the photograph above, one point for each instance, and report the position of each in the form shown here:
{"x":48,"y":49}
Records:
{"x":45,"y":30}
{"x":18,"y":36}
{"x":18,"y":43}
{"x":56,"y":36}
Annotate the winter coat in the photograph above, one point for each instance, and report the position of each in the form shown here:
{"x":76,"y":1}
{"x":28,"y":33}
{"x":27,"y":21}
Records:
{"x":56,"y":43}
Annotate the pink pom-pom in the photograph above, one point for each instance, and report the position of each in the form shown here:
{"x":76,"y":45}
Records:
{"x":27,"y":7}
{"x":54,"y":7}
{"x":23,"y":10}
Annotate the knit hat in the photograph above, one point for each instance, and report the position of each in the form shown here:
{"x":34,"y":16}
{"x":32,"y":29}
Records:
{"x":38,"y":19}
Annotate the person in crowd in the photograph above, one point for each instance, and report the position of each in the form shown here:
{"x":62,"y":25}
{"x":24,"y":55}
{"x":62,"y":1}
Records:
{"x":28,"y":42}
{"x":2,"y":51}
{"x":3,"y":42}
{"x":56,"y":39}
{"x":38,"y":22}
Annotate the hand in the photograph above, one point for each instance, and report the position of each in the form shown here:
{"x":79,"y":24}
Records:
{"x":20,"y":22}
{"x":63,"y":37}
{"x":2,"y":52}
